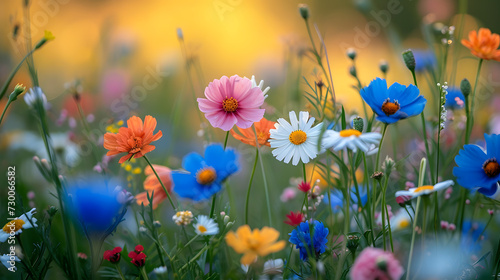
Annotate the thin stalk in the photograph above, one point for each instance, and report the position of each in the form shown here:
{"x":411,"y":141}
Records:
{"x":214,"y":197}
{"x":412,"y":244}
{"x":470,"y":124}
{"x":120,"y":271}
{"x":247,"y":202}
{"x":370,"y":213}
{"x":161,"y":183}
{"x":13,"y":73}
{"x":266,"y":188}
{"x":5,"y":109}
{"x":143,"y":273}
{"x":377,"y":162}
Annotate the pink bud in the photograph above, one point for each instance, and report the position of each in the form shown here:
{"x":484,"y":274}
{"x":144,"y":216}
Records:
{"x":449,"y":190}
{"x":409,"y":185}
{"x":467,"y":201}
{"x":447,"y":196}
{"x":452,"y":227}
{"x":491,"y":211}
{"x":444,"y":224}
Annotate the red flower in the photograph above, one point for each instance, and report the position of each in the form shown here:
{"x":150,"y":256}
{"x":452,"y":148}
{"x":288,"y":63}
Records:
{"x":139,"y":248}
{"x":113,"y":256}
{"x":304,"y":186}
{"x":137,"y":256}
{"x":294,"y":219}
{"x":403,"y":199}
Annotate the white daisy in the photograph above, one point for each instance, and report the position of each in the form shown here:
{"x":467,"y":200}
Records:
{"x":272,"y":267}
{"x":160,"y":270}
{"x":297,"y":139}
{"x":351,"y":139}
{"x":17,"y":225}
{"x":260,"y":85}
{"x":400,"y":220}
{"x":33,"y":95}
{"x":416,"y":192}
{"x":9,"y":261}
{"x":206,"y":226}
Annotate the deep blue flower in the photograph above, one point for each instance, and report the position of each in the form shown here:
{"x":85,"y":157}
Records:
{"x":455,"y":99}
{"x":393,"y":104}
{"x":424,"y":60}
{"x":301,"y":237}
{"x":206,"y":175}
{"x":337,"y":199}
{"x":471,"y":233}
{"x":477,"y":168}
{"x":96,"y":206}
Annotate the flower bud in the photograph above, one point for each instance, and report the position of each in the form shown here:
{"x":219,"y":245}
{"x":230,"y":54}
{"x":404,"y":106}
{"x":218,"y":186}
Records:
{"x":384,"y":66}
{"x":465,"y":87}
{"x":358,"y":124}
{"x":304,"y":11}
{"x":226,"y":219}
{"x":180,"y":34}
{"x":17,"y":91}
{"x":46,"y":37}
{"x":351,"y":53}
{"x":409,"y":59}
{"x":52,"y":211}
{"x":352,"y":71}
{"x":377,"y":175}
{"x":157,"y":224}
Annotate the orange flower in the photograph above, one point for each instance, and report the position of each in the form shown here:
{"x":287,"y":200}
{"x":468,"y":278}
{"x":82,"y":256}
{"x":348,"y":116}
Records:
{"x":248,"y":136}
{"x":152,"y":184}
{"x":134,"y":139}
{"x":483,"y":45}
{"x":254,"y":243}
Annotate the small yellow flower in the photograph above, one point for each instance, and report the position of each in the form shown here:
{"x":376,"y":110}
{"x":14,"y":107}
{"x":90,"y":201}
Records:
{"x":48,"y":36}
{"x":254,"y":244}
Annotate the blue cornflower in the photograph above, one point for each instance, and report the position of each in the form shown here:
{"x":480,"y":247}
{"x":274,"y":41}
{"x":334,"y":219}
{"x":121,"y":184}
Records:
{"x":205,"y":175}
{"x":471,"y":233}
{"x":337,"y":199}
{"x":477,"y":168}
{"x":454,"y":99}
{"x":424,"y":60}
{"x":301,"y":237}
{"x":98,"y":208}
{"x":393,"y":104}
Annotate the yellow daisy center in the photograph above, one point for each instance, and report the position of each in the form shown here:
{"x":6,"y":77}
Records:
{"x":491,"y":168}
{"x":349,"y":132}
{"x":424,"y":188}
{"x":206,"y":176}
{"x":390,"y":108}
{"x":297,"y":137}
{"x":202,"y":229}
{"x":13,"y":225}
{"x":404,"y":223}
{"x":230,"y":104}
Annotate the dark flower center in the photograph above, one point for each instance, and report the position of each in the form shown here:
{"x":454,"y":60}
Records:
{"x":390,"y":108}
{"x":230,"y":104}
{"x":491,"y":168}
{"x":136,"y":143}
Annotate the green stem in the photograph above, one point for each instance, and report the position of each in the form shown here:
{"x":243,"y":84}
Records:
{"x":120,"y":271}
{"x":250,"y":184}
{"x":412,"y":244}
{"x":266,"y":189}
{"x":377,"y":162}
{"x":5,"y":110}
{"x":225,"y":140}
{"x":143,"y":273}
{"x":13,"y":73}
{"x":471,"y":114}
{"x":161,"y":183}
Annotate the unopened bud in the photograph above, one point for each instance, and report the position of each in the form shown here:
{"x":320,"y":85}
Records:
{"x":377,"y":175}
{"x":358,"y":124}
{"x":304,"y":11}
{"x":465,"y":87}
{"x":46,"y":37}
{"x":351,"y":53}
{"x":384,"y":66}
{"x":226,"y":220}
{"x":352,"y":71}
{"x":409,"y":59}
{"x":157,"y":224}
{"x":52,"y":211}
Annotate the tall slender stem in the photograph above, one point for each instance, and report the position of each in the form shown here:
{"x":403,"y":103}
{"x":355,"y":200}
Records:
{"x":161,"y":183}
{"x":5,"y":109}
{"x":250,"y":184}
{"x":377,"y":162}
{"x":412,"y":244}
{"x":13,"y":73}
{"x":470,"y":124}
{"x":266,"y":188}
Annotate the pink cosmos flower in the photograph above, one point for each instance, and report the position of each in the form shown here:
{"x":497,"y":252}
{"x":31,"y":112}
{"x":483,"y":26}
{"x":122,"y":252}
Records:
{"x":374,"y":263}
{"x":232,"y":101}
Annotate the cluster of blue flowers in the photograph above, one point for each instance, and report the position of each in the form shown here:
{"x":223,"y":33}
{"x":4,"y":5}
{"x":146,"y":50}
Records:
{"x":301,"y":237}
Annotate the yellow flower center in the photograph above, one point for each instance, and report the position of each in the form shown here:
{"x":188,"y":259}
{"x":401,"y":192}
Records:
{"x":136,"y":143}
{"x":349,"y":132}
{"x":230,"y":104}
{"x":13,"y":225}
{"x":390,"y":108}
{"x":253,"y":244}
{"x":206,"y":176}
{"x":404,"y":223}
{"x":202,"y":228}
{"x":297,"y":137}
{"x":491,"y":168}
{"x":424,"y":188}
